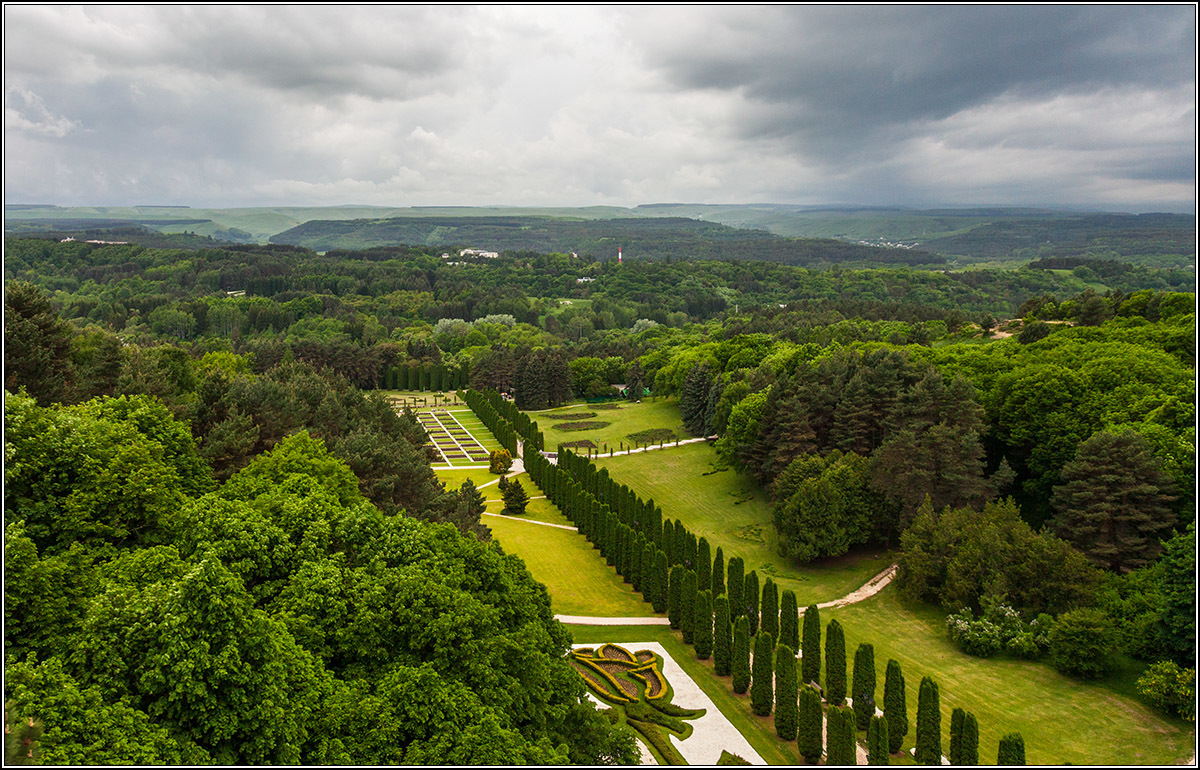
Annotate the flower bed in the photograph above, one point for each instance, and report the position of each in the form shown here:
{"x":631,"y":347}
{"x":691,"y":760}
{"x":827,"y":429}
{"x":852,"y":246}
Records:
{"x":568,"y":426}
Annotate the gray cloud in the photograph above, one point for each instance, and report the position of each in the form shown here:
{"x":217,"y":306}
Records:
{"x":412,"y":105}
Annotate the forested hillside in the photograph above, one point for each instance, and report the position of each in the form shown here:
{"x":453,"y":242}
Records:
{"x":200,"y":468}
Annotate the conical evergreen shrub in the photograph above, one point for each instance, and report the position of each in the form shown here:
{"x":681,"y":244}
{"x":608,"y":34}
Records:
{"x":1012,"y":750}
{"x":702,"y":625}
{"x":762,"y":691}
{"x":722,"y":637}
{"x":863,"y":687}
{"x":810,"y":663}
{"x":769,"y":609}
{"x":929,"y":724}
{"x":835,"y":664}
{"x":809,"y":739}
{"x":785,"y":693}
{"x":741,"y":656}
{"x":789,"y":620}
{"x":877,"y":742}
{"x":895,"y":706}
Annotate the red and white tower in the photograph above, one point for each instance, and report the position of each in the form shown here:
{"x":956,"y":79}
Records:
{"x":618,"y":255}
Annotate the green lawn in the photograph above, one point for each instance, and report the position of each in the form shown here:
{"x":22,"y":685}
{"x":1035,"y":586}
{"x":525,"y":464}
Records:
{"x":758,"y":731}
{"x":1061,"y":719}
{"x":576,"y":577}
{"x":733,"y":512}
{"x":628,"y":418}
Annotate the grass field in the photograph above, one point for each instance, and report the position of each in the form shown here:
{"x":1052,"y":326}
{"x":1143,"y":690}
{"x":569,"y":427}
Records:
{"x":628,"y":418}
{"x":733,"y":512}
{"x":576,"y":577}
{"x":1061,"y":719}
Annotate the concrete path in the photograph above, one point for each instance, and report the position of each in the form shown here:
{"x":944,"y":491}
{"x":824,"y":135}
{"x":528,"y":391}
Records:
{"x":585,"y":620}
{"x":530,"y":521}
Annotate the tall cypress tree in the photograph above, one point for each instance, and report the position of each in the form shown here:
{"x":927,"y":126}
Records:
{"x":734,"y":587}
{"x":929,"y":724}
{"x":741,"y":656}
{"x":703,"y":566}
{"x":956,"y":729}
{"x":785,"y":693}
{"x":842,"y":745}
{"x":770,"y":608}
{"x":789,"y":620}
{"x":835,"y":664}
{"x":750,"y":596}
{"x":809,"y":739}
{"x":762,"y":691}
{"x":646,"y":572}
{"x":970,"y":740}
{"x":895,"y":706}
{"x":877,"y":742}
{"x":863,"y":688}
{"x":675,"y":595}
{"x":702,"y":625}
{"x":810,"y":664}
{"x":718,"y":573}
{"x":661,"y":582}
{"x":1012,"y":750}
{"x":687,"y":606}
{"x":722,"y":636}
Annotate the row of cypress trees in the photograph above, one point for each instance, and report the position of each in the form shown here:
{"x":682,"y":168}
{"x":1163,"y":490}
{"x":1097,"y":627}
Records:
{"x":719,"y":609}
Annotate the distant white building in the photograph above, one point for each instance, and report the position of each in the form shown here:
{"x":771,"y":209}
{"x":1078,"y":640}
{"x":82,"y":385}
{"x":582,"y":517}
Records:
{"x":478,"y":253}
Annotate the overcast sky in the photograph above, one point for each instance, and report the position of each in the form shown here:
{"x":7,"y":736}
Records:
{"x":574,"y":106}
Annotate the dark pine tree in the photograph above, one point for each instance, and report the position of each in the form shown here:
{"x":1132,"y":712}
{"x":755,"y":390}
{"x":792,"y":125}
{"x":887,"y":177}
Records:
{"x":1012,"y":750}
{"x":770,"y":608}
{"x":722,"y":637}
{"x":702,"y":625}
{"x":895,"y":706}
{"x":863,"y":687}
{"x":785,"y":693}
{"x":660,"y":582}
{"x":718,"y":573}
{"x":750,"y":596}
{"x":675,"y":596}
{"x":789,"y":620}
{"x":741,"y":656}
{"x":877,"y":742}
{"x":956,"y":729}
{"x":762,"y":691}
{"x":735,"y":585}
{"x":970,"y":740}
{"x":703,"y":565}
{"x":929,"y":724}
{"x":835,"y":664}
{"x":809,"y":739}
{"x":810,"y":663}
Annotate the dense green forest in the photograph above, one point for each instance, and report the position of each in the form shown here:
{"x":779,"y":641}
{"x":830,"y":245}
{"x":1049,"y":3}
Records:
{"x":198,"y":468}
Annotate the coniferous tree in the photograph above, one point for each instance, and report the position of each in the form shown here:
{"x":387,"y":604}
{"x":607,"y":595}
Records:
{"x":750,"y":596}
{"x":1114,"y":504}
{"x":762,"y":691}
{"x":645,"y":584}
{"x":660,"y":581}
{"x":735,"y":588}
{"x":810,"y":663}
{"x":785,"y":693}
{"x":956,"y":729}
{"x":770,"y":608}
{"x":809,"y":739}
{"x":718,"y":573}
{"x":722,"y":636}
{"x":895,"y":706}
{"x":835,"y":664}
{"x":515,"y":498}
{"x":789,"y":620}
{"x":863,"y":688}
{"x":970,"y":740}
{"x":877,"y":742}
{"x":703,"y":565}
{"x":702,"y":625}
{"x":675,"y":596}
{"x":741,"y":656}
{"x":929,"y":724}
{"x":842,"y":746}
{"x":1012,"y":750}
{"x":687,"y":606}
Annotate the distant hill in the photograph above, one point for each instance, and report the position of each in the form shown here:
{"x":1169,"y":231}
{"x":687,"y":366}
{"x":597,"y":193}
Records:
{"x":642,"y":238}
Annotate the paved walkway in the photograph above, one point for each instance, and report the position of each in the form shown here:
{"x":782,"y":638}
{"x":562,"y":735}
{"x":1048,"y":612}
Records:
{"x":531,"y":521}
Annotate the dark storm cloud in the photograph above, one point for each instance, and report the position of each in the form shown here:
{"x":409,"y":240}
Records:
{"x":580,"y":105}
{"x":828,"y":77}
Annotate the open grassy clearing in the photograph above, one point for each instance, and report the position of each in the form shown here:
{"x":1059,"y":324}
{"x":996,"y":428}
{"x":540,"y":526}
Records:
{"x":576,"y":577}
{"x":758,"y":731}
{"x":733,"y":512}
{"x":629,"y":418}
{"x":1061,"y":719}
{"x":453,"y":478}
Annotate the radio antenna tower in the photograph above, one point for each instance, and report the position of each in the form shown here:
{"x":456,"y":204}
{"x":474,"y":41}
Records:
{"x":618,"y":255}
